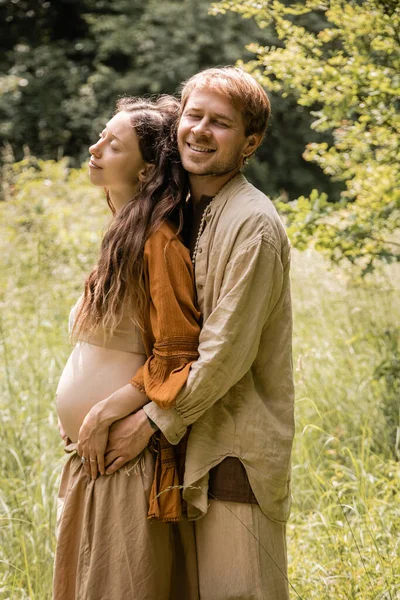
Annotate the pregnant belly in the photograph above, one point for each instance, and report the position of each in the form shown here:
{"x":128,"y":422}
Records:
{"x":91,"y":374}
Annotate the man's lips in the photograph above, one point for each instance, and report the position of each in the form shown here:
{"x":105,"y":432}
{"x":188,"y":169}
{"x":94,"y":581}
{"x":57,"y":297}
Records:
{"x":93,"y":165}
{"x":200,"y":149}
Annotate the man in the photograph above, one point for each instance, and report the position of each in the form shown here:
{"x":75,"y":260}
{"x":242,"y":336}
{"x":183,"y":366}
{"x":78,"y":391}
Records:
{"x":238,"y":399}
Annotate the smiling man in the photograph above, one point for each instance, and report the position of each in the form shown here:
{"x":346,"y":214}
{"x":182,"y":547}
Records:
{"x":212,"y":140}
{"x":238,"y":399}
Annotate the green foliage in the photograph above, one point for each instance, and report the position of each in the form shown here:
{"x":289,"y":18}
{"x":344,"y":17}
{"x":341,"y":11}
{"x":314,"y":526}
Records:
{"x":64,"y":63}
{"x":49,"y":236}
{"x":348,"y":75}
{"x":387,"y":373}
{"x":42,"y":64}
{"x":30,"y":116}
{"x":345,"y":527}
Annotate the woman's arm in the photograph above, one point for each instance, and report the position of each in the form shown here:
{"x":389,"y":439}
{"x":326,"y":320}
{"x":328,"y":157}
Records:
{"x":119,"y":404}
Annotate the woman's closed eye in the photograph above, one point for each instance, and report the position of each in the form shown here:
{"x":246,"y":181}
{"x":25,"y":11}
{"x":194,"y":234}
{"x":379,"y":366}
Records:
{"x":113,"y":144}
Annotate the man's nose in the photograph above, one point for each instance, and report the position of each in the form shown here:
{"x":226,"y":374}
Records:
{"x":201,"y":128}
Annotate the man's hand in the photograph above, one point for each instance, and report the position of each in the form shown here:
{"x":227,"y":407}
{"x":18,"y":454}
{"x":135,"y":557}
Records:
{"x":127,"y":438}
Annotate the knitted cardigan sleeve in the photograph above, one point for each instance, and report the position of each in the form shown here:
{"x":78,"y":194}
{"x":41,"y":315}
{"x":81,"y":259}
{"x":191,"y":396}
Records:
{"x":172,"y":335}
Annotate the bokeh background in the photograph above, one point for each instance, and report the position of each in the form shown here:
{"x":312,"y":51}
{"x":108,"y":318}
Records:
{"x":330,"y":163}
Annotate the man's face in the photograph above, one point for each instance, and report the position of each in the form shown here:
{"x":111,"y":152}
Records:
{"x":211,"y":135}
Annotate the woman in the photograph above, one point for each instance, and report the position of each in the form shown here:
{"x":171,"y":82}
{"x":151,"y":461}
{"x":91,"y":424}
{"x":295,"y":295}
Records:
{"x":137,"y":314}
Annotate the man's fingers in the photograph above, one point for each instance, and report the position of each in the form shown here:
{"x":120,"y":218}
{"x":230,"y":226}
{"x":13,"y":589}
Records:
{"x":117,"y":464}
{"x":110,"y":457}
{"x":86,"y":466}
{"x":93,"y":467}
{"x":100,"y":463}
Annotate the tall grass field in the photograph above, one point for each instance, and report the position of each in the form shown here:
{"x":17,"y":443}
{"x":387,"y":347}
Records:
{"x":344,"y":531}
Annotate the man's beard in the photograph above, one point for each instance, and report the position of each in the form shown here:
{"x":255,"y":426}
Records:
{"x":215,"y":173}
{"x":217,"y":170}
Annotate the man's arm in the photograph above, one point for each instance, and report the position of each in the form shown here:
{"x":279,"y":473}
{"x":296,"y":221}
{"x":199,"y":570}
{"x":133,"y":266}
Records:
{"x":230,"y":337}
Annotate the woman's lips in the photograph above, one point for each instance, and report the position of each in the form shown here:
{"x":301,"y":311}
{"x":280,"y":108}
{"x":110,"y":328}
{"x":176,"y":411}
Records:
{"x":93,"y":165}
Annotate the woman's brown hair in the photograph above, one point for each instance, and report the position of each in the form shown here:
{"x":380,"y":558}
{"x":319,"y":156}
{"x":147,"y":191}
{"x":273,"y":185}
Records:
{"x":116,"y":282}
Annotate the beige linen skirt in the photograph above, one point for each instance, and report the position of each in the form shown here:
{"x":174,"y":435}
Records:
{"x":107,"y":549}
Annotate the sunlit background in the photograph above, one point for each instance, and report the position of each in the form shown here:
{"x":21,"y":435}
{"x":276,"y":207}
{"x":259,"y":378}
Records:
{"x":330,"y":161}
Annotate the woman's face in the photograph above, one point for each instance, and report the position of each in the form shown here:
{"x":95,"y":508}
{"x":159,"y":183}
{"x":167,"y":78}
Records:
{"x":116,"y":162}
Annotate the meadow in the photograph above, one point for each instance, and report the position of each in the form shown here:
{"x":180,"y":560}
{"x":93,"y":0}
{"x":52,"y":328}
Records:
{"x":344,"y":531}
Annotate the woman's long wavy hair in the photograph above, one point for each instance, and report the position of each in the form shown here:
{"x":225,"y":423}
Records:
{"x":116,"y":283}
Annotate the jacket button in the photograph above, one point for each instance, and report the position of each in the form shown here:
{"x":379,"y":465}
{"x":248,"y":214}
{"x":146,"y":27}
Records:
{"x":200,"y":250}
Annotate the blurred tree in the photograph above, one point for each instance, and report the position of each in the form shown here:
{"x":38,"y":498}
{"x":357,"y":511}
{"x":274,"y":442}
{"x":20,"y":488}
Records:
{"x":42,"y":63}
{"x":64,"y":63}
{"x":348,"y":75}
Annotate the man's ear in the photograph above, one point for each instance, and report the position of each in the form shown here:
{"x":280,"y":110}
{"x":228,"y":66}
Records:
{"x":252,"y":143}
{"x":145,"y":172}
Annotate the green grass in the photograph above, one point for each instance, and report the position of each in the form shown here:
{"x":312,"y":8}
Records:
{"x":344,"y":530}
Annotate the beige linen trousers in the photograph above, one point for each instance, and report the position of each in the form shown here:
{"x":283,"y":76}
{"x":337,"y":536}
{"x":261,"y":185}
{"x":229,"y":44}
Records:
{"x":107,"y":549}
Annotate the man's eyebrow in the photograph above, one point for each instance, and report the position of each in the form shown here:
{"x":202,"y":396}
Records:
{"x":224,"y":117}
{"x":217,"y":115}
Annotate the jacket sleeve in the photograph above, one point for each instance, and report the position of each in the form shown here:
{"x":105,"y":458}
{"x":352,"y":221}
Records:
{"x":249,"y":295}
{"x":173,"y":318}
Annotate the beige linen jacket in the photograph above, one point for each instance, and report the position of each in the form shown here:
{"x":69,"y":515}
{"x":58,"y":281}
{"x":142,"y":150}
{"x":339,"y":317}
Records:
{"x":239,"y":396}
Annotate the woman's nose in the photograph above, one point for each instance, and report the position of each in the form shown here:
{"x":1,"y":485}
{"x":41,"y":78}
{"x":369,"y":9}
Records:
{"x":95,"y":149}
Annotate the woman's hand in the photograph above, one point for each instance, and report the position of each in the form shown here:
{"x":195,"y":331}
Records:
{"x":62,"y":433}
{"x":92,"y":441}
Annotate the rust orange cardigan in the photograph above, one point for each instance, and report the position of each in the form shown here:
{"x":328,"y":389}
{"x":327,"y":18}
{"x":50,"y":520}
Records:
{"x":171,"y":339}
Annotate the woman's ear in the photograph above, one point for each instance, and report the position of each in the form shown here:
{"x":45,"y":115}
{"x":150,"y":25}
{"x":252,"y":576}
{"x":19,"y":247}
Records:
{"x":145,"y":172}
